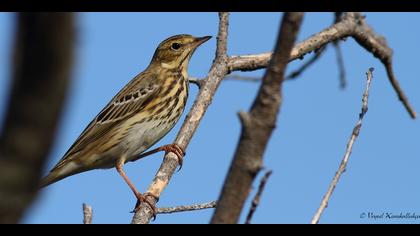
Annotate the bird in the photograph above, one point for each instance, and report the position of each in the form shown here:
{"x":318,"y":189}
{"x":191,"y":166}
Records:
{"x":136,"y":118}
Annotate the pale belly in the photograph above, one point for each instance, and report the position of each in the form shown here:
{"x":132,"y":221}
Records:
{"x":142,"y":136}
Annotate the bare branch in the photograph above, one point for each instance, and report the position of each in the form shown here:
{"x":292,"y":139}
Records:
{"x":377,"y":45}
{"x":259,"y":61}
{"x":262,"y":59}
{"x":343,"y":164}
{"x":351,"y":24}
{"x":203,"y":100}
{"x":169,"y":210}
{"x":257,"y":126}
{"x":43,"y":58}
{"x":257,"y":198}
{"x":87,"y":214}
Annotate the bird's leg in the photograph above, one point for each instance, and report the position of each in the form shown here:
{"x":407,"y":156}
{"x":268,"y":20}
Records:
{"x":167,"y":148}
{"x":140,"y":197}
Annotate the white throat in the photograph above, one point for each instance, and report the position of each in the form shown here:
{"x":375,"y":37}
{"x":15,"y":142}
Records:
{"x":167,"y":66}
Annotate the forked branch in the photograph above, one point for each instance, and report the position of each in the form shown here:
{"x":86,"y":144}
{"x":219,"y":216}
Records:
{"x":350,"y":25}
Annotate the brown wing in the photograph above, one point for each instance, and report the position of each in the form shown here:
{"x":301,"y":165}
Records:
{"x":129,"y":101}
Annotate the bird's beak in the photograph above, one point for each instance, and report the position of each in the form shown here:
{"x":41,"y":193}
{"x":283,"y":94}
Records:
{"x":201,"y":40}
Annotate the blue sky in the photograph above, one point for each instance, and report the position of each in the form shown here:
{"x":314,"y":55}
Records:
{"x":315,"y":122}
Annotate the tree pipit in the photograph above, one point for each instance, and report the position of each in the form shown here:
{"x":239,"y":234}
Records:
{"x":144,"y":111}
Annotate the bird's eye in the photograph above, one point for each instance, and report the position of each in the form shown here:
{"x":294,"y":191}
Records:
{"x":175,"y":46}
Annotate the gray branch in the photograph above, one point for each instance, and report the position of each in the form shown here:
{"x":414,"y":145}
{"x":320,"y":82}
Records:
{"x":170,"y":210}
{"x":87,"y":214}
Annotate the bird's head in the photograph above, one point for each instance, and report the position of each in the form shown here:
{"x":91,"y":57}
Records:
{"x":176,"y":51}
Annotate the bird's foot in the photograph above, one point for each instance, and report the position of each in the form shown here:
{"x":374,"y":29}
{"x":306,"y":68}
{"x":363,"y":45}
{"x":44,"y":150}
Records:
{"x":179,"y":152}
{"x":144,"y":198}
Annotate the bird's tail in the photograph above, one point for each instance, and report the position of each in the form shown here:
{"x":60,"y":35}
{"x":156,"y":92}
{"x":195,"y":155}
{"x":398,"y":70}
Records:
{"x":51,"y":178}
{"x":59,"y":173}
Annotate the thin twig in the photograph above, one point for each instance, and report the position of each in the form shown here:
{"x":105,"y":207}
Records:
{"x":169,"y":210}
{"x":340,"y":63}
{"x":343,"y":164}
{"x":87,"y":214}
{"x":242,"y":78}
{"x":307,"y":64}
{"x":339,"y":55}
{"x":257,"y":198}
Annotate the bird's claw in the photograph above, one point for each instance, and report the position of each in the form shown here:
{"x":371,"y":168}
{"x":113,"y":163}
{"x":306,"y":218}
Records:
{"x":143,"y":198}
{"x":178,"y":151}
